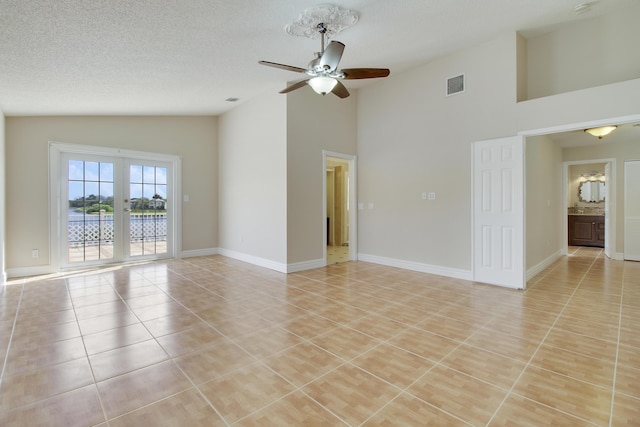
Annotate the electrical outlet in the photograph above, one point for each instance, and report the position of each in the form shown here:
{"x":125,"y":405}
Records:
{"x":431,"y":196}
{"x":35,"y":253}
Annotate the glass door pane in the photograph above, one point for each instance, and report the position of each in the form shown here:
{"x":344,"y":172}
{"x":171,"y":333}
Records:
{"x":148,"y":220}
{"x":90,"y":221}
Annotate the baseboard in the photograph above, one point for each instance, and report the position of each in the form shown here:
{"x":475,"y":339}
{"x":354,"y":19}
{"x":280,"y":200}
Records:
{"x":305,"y":265}
{"x":199,"y":252}
{"x":417,"y":266}
{"x":260,"y":262}
{"x":37,"y":270}
{"x":543,"y":264}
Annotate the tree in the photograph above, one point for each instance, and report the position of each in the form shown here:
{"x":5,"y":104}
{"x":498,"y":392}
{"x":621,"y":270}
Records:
{"x":96,"y":208}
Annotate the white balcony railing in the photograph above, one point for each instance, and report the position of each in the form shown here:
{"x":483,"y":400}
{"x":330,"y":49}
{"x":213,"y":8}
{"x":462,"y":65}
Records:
{"x":88,"y":230}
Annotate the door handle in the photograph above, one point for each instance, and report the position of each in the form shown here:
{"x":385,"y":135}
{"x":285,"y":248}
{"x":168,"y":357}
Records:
{"x":127,"y":210}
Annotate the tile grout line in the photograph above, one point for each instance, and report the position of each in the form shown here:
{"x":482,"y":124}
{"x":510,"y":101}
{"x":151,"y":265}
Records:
{"x":13,"y":329}
{"x":615,"y":366}
{"x":171,"y":358}
{"x":344,"y":360}
{"x":436,"y":363}
{"x":86,"y":353}
{"x":542,"y":341}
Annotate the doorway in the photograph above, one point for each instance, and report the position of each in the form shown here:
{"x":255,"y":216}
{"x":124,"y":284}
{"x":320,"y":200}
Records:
{"x":111,"y":206}
{"x":568,"y":137}
{"x":588,"y":203}
{"x":338,"y":205}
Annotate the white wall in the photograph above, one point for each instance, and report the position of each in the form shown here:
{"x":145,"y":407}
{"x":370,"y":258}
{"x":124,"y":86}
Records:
{"x":413,"y":139}
{"x":544,"y":235}
{"x":587,"y":53}
{"x":3,"y":215}
{"x":193,"y":138}
{"x":253,"y":181}
{"x":314,"y":123}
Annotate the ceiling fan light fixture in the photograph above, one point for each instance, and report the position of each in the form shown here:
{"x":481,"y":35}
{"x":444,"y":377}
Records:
{"x":323,"y":85}
{"x":601,"y":131}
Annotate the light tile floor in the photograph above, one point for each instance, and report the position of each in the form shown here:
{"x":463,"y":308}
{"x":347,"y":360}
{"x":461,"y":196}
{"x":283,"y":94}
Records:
{"x":212,"y":341}
{"x":337,"y":254}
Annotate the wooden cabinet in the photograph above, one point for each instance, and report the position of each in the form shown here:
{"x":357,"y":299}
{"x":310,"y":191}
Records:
{"x":586,"y":230}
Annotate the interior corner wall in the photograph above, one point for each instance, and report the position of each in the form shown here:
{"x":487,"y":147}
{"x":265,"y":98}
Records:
{"x":413,"y":139}
{"x":253,"y":181}
{"x":3,"y":270}
{"x":544,"y":202}
{"x":314,"y":123}
{"x":194,"y":138}
{"x":586,"y":53}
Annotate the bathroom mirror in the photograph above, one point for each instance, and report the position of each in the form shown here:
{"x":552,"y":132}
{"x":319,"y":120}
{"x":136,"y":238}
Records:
{"x":591,"y":191}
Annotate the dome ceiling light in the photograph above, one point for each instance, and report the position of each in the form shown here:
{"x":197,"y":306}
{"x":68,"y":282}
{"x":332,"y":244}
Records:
{"x":601,"y":131}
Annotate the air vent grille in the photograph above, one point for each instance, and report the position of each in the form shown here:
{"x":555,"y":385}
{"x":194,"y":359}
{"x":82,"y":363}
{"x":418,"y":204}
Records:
{"x":455,"y":85}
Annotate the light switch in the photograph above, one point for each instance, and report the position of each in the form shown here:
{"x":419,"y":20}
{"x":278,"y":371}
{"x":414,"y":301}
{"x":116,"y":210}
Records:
{"x":424,"y":196}
{"x":370,"y":205}
{"x":360,"y":206}
{"x":432,"y":196}
{"x":186,"y":198}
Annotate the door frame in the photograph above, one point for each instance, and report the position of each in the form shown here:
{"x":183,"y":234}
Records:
{"x":56,"y":149}
{"x":609,"y":203}
{"x":627,"y":253}
{"x":353,"y":216}
{"x":620,"y":120}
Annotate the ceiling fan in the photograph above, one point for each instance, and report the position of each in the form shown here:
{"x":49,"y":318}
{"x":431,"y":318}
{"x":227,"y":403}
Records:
{"x":323,"y":69}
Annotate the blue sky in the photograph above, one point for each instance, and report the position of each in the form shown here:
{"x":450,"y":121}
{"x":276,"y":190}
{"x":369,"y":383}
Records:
{"x":87,"y":178}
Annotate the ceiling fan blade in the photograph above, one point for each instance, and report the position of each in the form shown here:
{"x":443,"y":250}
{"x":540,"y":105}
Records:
{"x":332,"y":55}
{"x":365,"y":73}
{"x":283,"y":66}
{"x":294,"y":86}
{"x":340,"y":90}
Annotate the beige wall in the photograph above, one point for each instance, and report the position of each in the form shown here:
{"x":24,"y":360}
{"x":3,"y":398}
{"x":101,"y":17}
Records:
{"x":253,"y":181}
{"x":314,"y":123}
{"x":2,"y":200}
{"x":588,"y":53}
{"x":193,"y":138}
{"x":544,"y":235}
{"x":626,"y":150}
{"x":413,"y":139}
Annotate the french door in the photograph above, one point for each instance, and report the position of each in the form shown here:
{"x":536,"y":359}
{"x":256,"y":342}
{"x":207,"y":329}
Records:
{"x":114,"y":209}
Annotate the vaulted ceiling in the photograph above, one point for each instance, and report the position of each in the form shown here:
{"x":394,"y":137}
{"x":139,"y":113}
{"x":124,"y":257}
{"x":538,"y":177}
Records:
{"x":90,"y":57}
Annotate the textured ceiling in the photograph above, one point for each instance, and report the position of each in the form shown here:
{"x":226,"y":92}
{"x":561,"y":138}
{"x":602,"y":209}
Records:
{"x":95,"y":57}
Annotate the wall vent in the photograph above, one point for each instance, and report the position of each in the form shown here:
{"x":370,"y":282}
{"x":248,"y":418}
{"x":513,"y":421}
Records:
{"x":455,"y":85}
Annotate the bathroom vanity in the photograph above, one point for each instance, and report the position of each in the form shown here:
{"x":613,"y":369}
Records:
{"x":586,"y":230}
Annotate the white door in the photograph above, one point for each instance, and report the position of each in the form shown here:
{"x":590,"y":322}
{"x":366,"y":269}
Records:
{"x":114,"y":209}
{"x":632,"y":210}
{"x":498,"y":212}
{"x":147,"y":223}
{"x":88,"y":219}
